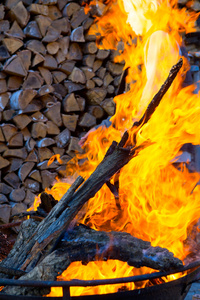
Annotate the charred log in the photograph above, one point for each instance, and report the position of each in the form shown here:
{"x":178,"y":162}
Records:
{"x":85,"y":244}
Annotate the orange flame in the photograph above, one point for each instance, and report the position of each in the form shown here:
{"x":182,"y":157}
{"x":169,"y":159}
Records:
{"x":157,"y":202}
{"x":51,"y":160}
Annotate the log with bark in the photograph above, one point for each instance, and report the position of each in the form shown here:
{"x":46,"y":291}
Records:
{"x":85,"y":244}
{"x":49,"y":232}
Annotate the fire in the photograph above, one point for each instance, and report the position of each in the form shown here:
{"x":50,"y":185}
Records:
{"x":157,"y":202}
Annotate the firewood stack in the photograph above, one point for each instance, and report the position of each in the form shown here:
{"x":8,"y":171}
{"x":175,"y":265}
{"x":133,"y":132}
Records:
{"x":55,"y":84}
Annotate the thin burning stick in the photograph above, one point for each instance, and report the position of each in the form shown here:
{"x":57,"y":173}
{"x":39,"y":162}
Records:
{"x":158,"y":97}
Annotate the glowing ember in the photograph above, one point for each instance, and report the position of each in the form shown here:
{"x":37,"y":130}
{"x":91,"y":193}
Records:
{"x":157,"y":202}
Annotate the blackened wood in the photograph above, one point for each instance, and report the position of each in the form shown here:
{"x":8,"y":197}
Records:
{"x":85,"y":244}
{"x":22,"y":247}
{"x":11,"y":271}
{"x":106,"y":169}
{"x":82,"y":243}
{"x":27,"y":229}
{"x":122,"y":84}
{"x":47,"y":202}
{"x":158,"y":97}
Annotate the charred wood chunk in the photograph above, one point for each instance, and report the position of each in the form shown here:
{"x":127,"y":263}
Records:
{"x":47,"y":202}
{"x":118,"y":245}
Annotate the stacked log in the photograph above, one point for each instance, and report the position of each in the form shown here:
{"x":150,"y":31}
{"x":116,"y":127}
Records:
{"x":55,"y":84}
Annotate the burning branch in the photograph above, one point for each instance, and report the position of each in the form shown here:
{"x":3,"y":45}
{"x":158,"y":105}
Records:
{"x":154,"y":102}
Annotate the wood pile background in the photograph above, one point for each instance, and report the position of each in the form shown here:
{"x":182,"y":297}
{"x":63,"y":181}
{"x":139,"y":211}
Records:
{"x":55,"y":84}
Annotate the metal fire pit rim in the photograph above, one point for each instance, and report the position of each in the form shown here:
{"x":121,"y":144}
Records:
{"x":178,"y":287}
{"x":78,"y":282}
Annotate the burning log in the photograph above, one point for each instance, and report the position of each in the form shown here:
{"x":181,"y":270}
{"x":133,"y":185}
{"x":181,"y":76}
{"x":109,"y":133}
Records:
{"x":85,"y":244}
{"x":51,"y":229}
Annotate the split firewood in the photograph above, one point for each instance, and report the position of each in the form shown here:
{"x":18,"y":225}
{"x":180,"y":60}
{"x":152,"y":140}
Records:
{"x":21,"y":98}
{"x":38,"y":58}
{"x":85,"y":244}
{"x":12,"y":179}
{"x":96,"y":111}
{"x":96,"y":95}
{"x":15,"y":66}
{"x":70,"y":121}
{"x":17,"y":195}
{"x":87,"y":120}
{"x":35,"y":174}
{"x":25,"y":169}
{"x":32,"y":30}
{"x":20,"y":14}
{"x":109,"y":106}
{"x":4,"y":162}
{"x":90,"y":84}
{"x":16,"y":140}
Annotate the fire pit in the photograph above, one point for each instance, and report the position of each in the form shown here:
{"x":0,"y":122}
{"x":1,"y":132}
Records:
{"x":176,"y":289}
